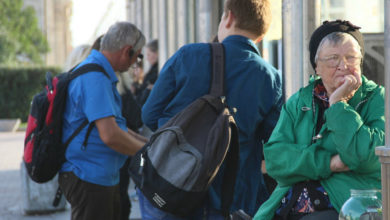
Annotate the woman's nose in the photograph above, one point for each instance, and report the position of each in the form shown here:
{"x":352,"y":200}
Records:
{"x":342,"y":64}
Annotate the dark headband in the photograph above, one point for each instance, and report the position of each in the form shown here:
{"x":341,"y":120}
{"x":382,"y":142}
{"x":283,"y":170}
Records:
{"x":329,"y":27}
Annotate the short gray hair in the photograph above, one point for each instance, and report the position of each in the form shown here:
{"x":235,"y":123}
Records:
{"x":336,"y":38}
{"x":122,"y":34}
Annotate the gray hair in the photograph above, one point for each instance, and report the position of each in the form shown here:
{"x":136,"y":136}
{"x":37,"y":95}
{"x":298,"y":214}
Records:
{"x":336,"y":38}
{"x":122,"y":34}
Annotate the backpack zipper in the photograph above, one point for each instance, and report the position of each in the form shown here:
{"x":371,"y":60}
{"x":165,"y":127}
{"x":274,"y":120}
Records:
{"x":141,"y":170}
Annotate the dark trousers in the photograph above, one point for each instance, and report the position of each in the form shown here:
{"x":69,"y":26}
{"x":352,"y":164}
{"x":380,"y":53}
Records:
{"x":124,"y":181}
{"x":88,"y":200}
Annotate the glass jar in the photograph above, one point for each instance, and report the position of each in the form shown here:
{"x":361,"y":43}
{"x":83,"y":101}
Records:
{"x":362,"y":205}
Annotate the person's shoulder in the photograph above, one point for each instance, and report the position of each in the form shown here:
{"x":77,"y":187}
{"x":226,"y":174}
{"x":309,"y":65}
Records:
{"x":194,"y":47}
{"x":370,"y":88}
{"x":265,"y":68}
{"x":191,"y":53}
{"x":302,"y":97}
{"x":93,"y":75}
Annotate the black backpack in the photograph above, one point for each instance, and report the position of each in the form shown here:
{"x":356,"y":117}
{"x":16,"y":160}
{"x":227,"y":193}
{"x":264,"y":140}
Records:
{"x":44,"y":152}
{"x":176,"y":167}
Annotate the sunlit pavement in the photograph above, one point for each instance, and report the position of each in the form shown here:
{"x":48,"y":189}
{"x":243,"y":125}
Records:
{"x":11,"y":151}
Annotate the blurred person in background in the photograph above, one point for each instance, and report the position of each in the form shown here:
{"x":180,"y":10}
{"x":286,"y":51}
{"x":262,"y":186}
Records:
{"x":151,"y":75}
{"x":77,"y":55}
{"x":137,"y":76}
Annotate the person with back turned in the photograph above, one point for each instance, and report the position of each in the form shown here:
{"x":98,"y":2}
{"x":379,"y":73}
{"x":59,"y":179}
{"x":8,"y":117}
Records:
{"x":253,"y":87}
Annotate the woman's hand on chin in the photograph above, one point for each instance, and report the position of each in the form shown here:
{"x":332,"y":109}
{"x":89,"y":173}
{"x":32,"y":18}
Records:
{"x":347,"y":88}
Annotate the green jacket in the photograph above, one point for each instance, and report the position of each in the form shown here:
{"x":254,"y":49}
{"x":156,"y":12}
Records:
{"x":351,"y":130}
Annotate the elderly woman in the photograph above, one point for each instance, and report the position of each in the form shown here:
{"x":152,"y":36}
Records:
{"x":325,"y":139}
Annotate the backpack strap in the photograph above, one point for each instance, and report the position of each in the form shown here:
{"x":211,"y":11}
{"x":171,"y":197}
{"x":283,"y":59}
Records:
{"x":90,"y":127}
{"x":90,"y":67}
{"x":218,"y":67}
{"x":230,"y":174}
{"x":232,"y":158}
{"x":76,"y":132}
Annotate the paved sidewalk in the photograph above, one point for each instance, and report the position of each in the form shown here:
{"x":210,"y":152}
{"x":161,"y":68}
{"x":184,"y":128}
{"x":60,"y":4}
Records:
{"x":11,"y":152}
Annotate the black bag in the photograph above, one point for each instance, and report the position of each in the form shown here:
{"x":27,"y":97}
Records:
{"x":319,"y":199}
{"x":176,"y":167}
{"x":44,"y":152}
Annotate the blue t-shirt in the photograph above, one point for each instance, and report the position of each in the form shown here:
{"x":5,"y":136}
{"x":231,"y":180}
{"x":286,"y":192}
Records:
{"x":93,"y":96}
{"x":253,"y":87}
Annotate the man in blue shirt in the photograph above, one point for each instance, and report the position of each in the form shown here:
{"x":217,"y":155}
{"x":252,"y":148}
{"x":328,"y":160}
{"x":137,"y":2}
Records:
{"x":89,"y":177}
{"x":253,"y":87}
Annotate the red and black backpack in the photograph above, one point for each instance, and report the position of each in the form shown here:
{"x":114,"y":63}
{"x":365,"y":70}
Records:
{"x":44,"y":152}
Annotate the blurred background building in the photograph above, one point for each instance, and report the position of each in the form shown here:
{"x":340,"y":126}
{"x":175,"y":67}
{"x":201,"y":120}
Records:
{"x":178,"y":22}
{"x":54,"y":20}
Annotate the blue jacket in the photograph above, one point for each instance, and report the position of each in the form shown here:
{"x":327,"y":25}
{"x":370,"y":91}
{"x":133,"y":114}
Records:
{"x":93,"y":96}
{"x":253,"y":87}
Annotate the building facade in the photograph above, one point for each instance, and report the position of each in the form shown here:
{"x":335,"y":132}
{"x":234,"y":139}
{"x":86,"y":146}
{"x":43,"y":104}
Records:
{"x":54,"y":19}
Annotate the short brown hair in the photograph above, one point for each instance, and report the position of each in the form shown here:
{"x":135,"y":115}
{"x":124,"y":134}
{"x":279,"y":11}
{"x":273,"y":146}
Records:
{"x":251,"y":15}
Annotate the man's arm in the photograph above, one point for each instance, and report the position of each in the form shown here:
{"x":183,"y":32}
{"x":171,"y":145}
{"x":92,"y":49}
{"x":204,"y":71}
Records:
{"x":137,"y":136}
{"x":117,"y":139}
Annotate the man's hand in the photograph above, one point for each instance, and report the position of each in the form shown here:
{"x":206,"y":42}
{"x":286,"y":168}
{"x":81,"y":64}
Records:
{"x":336,"y":165}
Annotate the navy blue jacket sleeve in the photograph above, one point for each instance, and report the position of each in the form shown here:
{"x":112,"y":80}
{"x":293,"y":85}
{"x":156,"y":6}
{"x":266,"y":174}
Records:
{"x":162,"y":93}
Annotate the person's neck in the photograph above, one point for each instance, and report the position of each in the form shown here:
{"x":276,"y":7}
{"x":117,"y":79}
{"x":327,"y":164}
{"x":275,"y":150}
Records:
{"x":240,"y":32}
{"x":112,"y":59}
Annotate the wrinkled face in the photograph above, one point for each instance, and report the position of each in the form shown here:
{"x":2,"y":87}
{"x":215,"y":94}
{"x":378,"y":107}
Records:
{"x":151,"y":56}
{"x":335,"y":61}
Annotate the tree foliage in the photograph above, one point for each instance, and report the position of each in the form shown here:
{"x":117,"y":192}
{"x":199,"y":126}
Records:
{"x":21,"y":40}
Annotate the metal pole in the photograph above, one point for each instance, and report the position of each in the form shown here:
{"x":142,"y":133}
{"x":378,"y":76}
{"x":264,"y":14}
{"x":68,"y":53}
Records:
{"x":292,"y":27}
{"x":312,"y":18}
{"x":207,"y":18}
{"x":384,"y":151}
{"x":162,"y":32}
